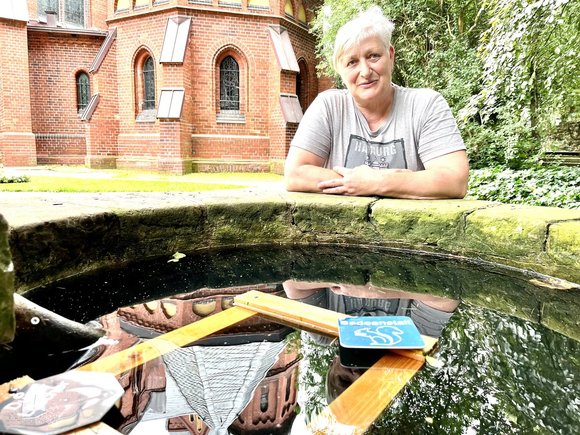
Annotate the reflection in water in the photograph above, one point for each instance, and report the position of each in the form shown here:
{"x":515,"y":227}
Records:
{"x":239,"y":380}
{"x":244,"y":379}
{"x":322,"y":374}
{"x":429,"y":313}
{"x":502,"y":373}
{"x":215,"y":383}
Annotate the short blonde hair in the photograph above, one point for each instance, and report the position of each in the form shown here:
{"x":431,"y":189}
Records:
{"x":366,"y":24}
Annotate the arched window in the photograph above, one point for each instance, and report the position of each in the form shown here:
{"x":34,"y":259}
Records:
{"x":301,"y":15}
{"x":264,"y":399}
{"x":83,"y":91}
{"x":289,"y":8}
{"x":229,"y":84}
{"x":302,"y":85}
{"x":148,"y":84}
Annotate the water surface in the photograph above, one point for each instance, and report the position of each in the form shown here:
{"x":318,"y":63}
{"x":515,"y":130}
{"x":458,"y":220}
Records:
{"x":502,"y":370}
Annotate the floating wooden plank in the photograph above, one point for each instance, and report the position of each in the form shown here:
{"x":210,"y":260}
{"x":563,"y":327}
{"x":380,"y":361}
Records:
{"x":291,"y":312}
{"x":99,"y":428}
{"x":137,"y":355}
{"x":364,"y":400}
{"x":356,"y":408}
{"x":310,"y":317}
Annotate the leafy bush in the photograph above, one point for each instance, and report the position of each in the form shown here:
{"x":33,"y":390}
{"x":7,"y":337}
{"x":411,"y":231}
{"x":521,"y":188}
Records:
{"x":14,"y":178}
{"x":547,"y":186}
{"x":508,"y":69}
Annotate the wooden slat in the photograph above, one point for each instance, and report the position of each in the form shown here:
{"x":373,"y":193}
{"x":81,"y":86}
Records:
{"x":129,"y":358}
{"x":356,"y":408}
{"x":363,"y":401}
{"x":309,"y":317}
{"x":291,"y":312}
{"x":98,"y":428}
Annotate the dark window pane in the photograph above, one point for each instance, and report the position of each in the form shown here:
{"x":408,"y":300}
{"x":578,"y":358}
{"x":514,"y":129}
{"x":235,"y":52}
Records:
{"x":148,"y":84}
{"x":264,"y":399}
{"x":83,"y":91}
{"x":74,"y":12}
{"x":229,"y":84}
{"x":299,"y":86}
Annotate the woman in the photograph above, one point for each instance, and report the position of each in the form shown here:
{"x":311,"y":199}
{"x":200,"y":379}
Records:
{"x":376,"y":138}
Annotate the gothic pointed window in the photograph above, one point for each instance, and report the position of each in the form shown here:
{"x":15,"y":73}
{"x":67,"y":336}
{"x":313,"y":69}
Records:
{"x":289,"y":8}
{"x":83,"y":91}
{"x":148,"y":84}
{"x":229,"y":84}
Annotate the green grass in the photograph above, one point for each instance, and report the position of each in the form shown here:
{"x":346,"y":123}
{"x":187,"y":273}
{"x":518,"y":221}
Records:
{"x":133,"y":181}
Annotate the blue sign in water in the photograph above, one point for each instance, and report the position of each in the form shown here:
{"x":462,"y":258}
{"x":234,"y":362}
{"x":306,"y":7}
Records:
{"x":379,"y":332}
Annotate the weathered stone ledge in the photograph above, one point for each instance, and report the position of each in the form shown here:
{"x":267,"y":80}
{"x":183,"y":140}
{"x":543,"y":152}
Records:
{"x":56,"y":235}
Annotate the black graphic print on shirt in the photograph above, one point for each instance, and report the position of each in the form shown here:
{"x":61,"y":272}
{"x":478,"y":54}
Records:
{"x":375,"y":154}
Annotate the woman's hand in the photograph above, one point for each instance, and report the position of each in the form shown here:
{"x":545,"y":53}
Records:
{"x":443,"y":178}
{"x":360,"y":181}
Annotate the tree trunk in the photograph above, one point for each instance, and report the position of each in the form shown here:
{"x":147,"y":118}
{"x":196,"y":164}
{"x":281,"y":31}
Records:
{"x":40,"y":328}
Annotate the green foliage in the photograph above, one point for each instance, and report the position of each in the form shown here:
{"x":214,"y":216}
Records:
{"x":499,"y":375}
{"x":530,"y":79}
{"x":509,"y":70}
{"x":14,"y":179}
{"x":550,"y":186}
{"x":316,"y":357}
{"x":429,"y":37}
{"x":508,"y":142}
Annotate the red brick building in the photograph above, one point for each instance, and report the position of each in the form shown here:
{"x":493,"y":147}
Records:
{"x":164,"y":85}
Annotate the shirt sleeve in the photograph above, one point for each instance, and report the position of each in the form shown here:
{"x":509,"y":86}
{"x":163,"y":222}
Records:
{"x":314,"y":131}
{"x":439,"y":134}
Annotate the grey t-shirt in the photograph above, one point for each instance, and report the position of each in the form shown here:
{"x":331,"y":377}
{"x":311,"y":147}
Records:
{"x":419,"y":128}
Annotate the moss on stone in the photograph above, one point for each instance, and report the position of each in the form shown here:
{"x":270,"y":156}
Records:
{"x":148,"y":233}
{"x":254,"y":220}
{"x":563,"y":247}
{"x":514,"y":297}
{"x":324,"y":218}
{"x":7,"y":322}
{"x":47,"y":246}
{"x":422,"y":224}
{"x":561,"y":312}
{"x":513,"y":235}
{"x":418,"y":275}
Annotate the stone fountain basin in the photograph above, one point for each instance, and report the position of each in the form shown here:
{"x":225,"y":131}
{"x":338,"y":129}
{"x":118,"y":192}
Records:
{"x":50,"y":236}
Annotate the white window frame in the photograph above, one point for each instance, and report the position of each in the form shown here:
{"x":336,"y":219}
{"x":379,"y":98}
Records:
{"x":283,"y":49}
{"x":170,"y":103}
{"x":175,"y":39}
{"x":291,"y":109}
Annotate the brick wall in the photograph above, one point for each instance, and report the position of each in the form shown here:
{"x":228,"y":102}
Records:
{"x":118,"y":135}
{"x":260,"y":136}
{"x":17,"y":146}
{"x":55,"y":58}
{"x":102,"y":130}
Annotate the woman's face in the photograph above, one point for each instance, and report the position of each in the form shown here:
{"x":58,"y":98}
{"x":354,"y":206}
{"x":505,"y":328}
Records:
{"x":366,"y":70}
